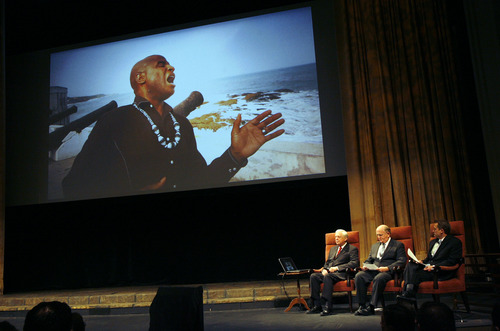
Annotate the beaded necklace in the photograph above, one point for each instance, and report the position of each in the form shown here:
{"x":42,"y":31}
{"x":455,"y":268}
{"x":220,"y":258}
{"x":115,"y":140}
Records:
{"x":165,"y":142}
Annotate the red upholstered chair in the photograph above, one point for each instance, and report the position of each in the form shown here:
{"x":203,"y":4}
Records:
{"x":348,"y":284}
{"x":453,"y":285}
{"x":404,"y":235}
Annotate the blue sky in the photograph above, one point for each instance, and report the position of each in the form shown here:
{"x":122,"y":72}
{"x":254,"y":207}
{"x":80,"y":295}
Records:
{"x":198,"y":54}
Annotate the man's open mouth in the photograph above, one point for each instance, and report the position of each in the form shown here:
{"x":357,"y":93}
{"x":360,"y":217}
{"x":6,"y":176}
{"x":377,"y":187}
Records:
{"x":170,"y":79}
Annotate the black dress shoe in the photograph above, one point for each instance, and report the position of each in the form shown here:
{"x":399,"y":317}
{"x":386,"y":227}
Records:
{"x":406,"y":296}
{"x":326,"y":312}
{"x":357,"y":312}
{"x":366,"y":311}
{"x":315,"y":310}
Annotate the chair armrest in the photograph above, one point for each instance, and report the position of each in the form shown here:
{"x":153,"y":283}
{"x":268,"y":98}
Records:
{"x":398,"y":275}
{"x":350,"y":273}
{"x":317,"y":270}
{"x":449,"y":268}
{"x":444,"y":268}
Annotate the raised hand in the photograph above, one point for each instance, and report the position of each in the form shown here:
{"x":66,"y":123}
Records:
{"x":247,"y":140}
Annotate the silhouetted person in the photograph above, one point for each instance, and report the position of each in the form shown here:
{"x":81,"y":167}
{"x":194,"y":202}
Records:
{"x":435,"y":316}
{"x":397,"y":318}
{"x":49,"y":316}
{"x":77,"y":322}
{"x":495,"y":316}
{"x":6,"y":326}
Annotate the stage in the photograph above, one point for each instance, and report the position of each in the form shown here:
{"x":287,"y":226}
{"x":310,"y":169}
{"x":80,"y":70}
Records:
{"x":256,"y":305}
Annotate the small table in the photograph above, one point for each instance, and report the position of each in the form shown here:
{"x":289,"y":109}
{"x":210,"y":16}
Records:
{"x":299,"y":299}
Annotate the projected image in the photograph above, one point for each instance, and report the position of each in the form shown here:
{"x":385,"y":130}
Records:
{"x":209,"y":106}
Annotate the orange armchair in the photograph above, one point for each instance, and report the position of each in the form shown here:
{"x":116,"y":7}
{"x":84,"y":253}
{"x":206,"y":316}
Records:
{"x":348,"y":284}
{"x":454,"y":285}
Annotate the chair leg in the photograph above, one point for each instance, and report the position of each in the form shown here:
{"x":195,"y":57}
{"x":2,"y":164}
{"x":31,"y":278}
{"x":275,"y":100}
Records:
{"x":465,"y":299}
{"x":349,"y":295}
{"x":436,"y":298}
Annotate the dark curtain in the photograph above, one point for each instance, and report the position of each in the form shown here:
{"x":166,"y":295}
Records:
{"x":407,"y":157}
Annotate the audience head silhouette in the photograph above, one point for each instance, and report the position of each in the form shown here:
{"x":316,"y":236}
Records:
{"x":397,"y":318}
{"x":78,"y":322}
{"x":6,"y":326}
{"x":495,"y":316}
{"x":49,"y":316}
{"x":435,"y":316}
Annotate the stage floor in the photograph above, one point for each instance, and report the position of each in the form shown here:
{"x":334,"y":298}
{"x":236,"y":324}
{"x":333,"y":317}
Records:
{"x":251,"y":319}
{"x":227,"y":306}
{"x":215,"y":296}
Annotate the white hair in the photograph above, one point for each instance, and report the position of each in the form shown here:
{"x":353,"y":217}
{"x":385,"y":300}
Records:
{"x":343,"y":232}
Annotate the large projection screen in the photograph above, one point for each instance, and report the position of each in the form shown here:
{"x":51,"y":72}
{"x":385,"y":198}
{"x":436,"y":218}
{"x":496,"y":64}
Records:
{"x":280,"y":60}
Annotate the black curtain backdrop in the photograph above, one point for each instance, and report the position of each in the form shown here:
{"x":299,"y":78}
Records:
{"x":185,"y":238}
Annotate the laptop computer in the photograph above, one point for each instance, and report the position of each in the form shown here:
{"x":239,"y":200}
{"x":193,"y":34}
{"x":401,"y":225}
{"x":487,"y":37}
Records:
{"x":289,"y":266}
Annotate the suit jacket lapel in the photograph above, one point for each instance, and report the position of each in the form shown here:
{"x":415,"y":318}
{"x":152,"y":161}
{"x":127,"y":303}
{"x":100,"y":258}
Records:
{"x":443,"y":243}
{"x":346,"y":248}
{"x":389,"y":245}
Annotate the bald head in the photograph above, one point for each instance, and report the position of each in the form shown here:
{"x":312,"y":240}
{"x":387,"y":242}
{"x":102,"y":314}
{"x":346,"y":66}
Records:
{"x":140,"y":68}
{"x":384,"y":228}
{"x":340,"y":237}
{"x":383,"y":233}
{"x":153,"y":78}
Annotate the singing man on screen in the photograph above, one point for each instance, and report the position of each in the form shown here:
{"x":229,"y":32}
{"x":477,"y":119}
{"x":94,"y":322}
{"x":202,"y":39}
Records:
{"x":144,"y":147}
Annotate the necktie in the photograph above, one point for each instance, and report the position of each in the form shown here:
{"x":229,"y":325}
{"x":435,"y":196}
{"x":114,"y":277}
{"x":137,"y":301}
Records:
{"x":435,"y":247}
{"x":381,"y":250}
{"x":338,"y":252}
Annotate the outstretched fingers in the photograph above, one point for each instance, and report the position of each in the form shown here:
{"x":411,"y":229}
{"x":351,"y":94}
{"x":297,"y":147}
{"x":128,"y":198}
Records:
{"x":273,"y":125}
{"x":265,"y":122}
{"x":257,"y":121}
{"x":274,"y":134}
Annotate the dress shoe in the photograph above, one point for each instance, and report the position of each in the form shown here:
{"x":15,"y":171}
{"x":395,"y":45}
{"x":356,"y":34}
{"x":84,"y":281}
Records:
{"x":315,"y":310}
{"x":365,"y":311}
{"x":406,"y":296}
{"x":360,"y":308}
{"x":326,"y":312}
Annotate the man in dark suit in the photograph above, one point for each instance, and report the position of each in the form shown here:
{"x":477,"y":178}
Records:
{"x":444,"y":250}
{"x":385,"y":256}
{"x":341,"y":257}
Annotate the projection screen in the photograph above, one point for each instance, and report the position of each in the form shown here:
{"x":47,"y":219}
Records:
{"x":282,"y":61}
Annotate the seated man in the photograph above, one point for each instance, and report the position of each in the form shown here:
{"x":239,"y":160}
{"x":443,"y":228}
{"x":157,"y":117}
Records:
{"x":146,"y":147}
{"x":445,"y":250}
{"x":379,"y":267}
{"x":341,"y":257}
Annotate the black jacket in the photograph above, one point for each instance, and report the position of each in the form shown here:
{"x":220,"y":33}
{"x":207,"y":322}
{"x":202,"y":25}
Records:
{"x":348,"y":258}
{"x":449,"y":253}
{"x":122,"y":156}
{"x":394,"y":255}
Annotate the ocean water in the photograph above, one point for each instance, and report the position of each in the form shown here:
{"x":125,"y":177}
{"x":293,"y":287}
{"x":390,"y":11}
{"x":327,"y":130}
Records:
{"x":295,"y":96}
{"x":298,"y":78}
